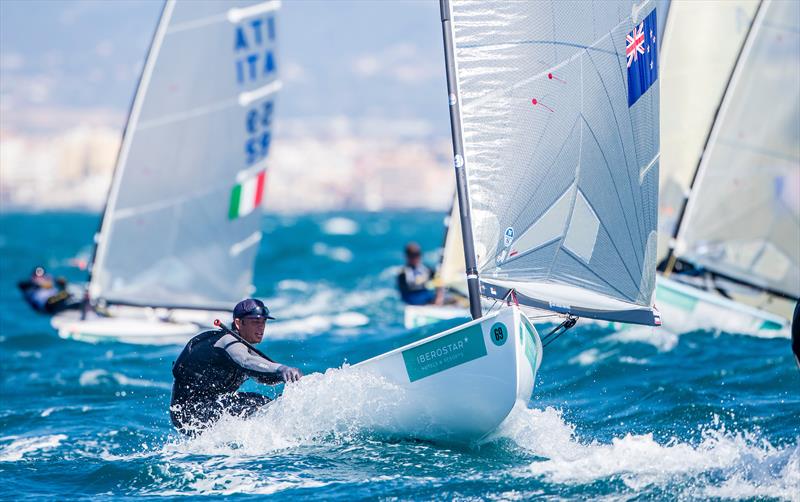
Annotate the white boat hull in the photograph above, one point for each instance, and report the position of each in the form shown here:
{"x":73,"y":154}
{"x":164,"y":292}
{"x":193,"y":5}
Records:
{"x":142,"y":326}
{"x":685,"y":308}
{"x":459,"y":385}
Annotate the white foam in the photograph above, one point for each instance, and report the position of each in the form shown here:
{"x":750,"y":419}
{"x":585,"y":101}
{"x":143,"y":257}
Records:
{"x":91,"y":378}
{"x":318,"y":308}
{"x":748,"y":466}
{"x":336,"y":253}
{"x":340,"y":226}
{"x":294,"y":284}
{"x":208,"y":479}
{"x":590,"y":356}
{"x":341,"y":404}
{"x":21,"y":447}
{"x":660,"y":338}
{"x":350,"y":320}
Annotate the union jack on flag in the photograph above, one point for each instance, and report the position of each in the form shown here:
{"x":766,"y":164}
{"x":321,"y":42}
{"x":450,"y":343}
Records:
{"x":635,"y":44}
{"x":641,"y":52}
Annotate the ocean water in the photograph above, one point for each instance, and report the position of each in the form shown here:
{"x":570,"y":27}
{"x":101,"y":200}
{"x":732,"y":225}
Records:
{"x":640,"y":414}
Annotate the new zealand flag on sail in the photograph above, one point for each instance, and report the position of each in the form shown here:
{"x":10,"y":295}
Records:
{"x":641,"y":52}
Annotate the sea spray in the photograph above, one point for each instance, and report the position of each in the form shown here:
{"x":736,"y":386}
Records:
{"x":721,"y":460}
{"x":338,"y":405}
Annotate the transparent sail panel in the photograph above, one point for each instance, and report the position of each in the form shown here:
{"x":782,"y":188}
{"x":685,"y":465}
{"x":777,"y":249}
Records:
{"x":688,"y":109}
{"x":182,"y":222}
{"x":743,"y":219}
{"x":560,"y":110}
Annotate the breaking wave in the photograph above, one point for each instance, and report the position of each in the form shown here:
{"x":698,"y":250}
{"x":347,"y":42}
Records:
{"x":722,"y":464}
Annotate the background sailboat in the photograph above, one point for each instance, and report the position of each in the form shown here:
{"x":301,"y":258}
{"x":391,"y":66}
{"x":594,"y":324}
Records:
{"x":554,"y":116}
{"x":694,"y":84}
{"x":734,"y":192}
{"x":180,"y":230}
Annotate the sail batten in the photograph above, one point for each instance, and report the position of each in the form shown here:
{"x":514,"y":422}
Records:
{"x":559,"y":114}
{"x":199,"y":130}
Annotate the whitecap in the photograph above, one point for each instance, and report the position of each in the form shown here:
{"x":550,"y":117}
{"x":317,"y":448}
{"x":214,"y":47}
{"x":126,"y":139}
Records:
{"x":590,"y":356}
{"x":96,"y":377}
{"x":660,"y":338}
{"x":336,"y":253}
{"x":21,"y":447}
{"x":340,"y":226}
{"x":743,"y":461}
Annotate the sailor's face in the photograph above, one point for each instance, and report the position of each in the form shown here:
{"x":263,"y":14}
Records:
{"x":251,"y":329}
{"x":413,"y":259}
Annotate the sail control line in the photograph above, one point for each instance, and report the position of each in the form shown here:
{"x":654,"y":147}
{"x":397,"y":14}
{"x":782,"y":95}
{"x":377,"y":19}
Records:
{"x":556,"y":332}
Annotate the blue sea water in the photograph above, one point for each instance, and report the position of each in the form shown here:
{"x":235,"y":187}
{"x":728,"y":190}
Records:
{"x":640,"y":414}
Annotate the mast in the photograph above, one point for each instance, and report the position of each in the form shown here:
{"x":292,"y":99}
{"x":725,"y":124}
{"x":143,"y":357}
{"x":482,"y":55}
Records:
{"x":465,"y":215}
{"x":672,"y":258}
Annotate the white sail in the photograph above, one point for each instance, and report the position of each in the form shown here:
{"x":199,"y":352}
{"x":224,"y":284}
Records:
{"x":561,"y":151}
{"x":743,"y":217}
{"x":693,"y":83}
{"x":451,"y":273}
{"x":181,"y":226}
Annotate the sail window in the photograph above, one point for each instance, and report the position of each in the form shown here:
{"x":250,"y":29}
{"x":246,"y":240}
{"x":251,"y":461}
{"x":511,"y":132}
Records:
{"x":582,"y":234}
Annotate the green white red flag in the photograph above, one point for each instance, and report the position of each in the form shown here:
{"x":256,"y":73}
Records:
{"x":247,"y":195}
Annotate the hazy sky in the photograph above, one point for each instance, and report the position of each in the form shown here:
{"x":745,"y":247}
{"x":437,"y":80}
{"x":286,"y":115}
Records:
{"x":63,"y":61}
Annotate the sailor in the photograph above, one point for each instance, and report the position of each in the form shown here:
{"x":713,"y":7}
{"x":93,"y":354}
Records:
{"x":46,"y":295}
{"x":414,"y":279}
{"x":213,"y":366}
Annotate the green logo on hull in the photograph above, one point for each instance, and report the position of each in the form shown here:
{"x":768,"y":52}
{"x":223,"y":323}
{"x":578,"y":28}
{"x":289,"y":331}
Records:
{"x":444,"y":353}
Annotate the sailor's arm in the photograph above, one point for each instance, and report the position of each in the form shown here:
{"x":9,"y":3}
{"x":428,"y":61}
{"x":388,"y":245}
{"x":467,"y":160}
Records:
{"x":264,"y":370}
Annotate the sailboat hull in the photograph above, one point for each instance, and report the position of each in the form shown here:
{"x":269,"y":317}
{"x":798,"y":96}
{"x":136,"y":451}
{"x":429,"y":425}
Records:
{"x":685,"y":308}
{"x":459,"y":385}
{"x":134,"y":325}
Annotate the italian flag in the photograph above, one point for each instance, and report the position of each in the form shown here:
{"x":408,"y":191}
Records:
{"x":246,"y":196}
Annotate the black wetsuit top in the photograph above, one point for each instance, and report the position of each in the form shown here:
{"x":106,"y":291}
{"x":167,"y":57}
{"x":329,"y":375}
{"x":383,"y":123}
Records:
{"x":208,"y":372}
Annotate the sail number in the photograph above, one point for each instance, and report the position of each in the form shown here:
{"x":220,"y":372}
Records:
{"x":498,"y":333}
{"x":257,"y":122}
{"x":255,"y":59}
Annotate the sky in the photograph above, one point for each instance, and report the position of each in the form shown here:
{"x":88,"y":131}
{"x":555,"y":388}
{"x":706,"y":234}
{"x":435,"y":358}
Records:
{"x":64,"y":62}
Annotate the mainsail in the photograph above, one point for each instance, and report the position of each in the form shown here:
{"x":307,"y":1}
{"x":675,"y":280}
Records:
{"x":559,"y":107}
{"x":689,"y":109}
{"x":743,"y":216}
{"x":181,"y":225}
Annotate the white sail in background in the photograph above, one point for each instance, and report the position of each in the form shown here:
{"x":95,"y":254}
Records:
{"x":693,"y":83}
{"x":452,"y":268}
{"x":561,"y":156}
{"x":743,"y":217}
{"x":181,"y":226}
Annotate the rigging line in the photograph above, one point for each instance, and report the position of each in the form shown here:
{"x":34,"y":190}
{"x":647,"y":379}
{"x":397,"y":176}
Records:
{"x":559,"y":330}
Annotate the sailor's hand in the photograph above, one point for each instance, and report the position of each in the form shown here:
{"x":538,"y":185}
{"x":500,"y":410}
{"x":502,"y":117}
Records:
{"x":289,"y":374}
